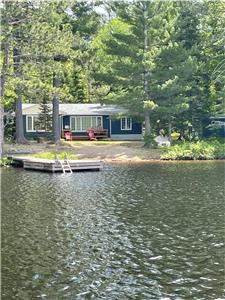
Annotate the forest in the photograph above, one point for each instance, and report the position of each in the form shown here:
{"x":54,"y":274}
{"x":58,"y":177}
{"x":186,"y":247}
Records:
{"x":162,"y":60}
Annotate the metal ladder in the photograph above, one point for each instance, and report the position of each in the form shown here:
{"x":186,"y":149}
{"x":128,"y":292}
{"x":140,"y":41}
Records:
{"x":65,"y":165}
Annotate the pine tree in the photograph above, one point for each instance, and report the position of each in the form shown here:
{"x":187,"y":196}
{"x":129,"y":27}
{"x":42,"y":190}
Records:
{"x":36,"y":36}
{"x":212,"y":41}
{"x":127,"y":49}
{"x":44,"y":121}
{"x":85,"y":22}
{"x":176,"y":68}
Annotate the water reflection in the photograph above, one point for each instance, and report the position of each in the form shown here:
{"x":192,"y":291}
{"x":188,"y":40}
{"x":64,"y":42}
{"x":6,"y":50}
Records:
{"x":130,"y":232}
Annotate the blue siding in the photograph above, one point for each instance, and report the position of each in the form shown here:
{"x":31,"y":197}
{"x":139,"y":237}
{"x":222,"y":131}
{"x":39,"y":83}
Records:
{"x":116,"y":127}
{"x":28,"y":135}
{"x":106,"y":124}
{"x":214,"y":132}
{"x":66,"y":121}
{"x":34,"y":135}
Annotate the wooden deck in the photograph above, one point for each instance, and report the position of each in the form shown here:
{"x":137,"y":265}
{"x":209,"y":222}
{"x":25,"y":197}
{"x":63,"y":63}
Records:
{"x":98,"y":134}
{"x":54,"y":166}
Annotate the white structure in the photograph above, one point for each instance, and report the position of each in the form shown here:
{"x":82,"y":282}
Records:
{"x":162,"y":141}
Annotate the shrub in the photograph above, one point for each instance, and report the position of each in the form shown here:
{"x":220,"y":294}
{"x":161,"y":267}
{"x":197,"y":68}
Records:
{"x":210,"y":149}
{"x":175,"y":136}
{"x":149,"y":141}
{"x":5,"y":162}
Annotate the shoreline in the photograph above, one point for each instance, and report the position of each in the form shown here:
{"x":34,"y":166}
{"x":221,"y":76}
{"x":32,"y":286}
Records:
{"x":134,"y":160}
{"x":109,"y":152}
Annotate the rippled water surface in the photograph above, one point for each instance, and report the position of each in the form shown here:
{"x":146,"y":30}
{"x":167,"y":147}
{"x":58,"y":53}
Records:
{"x":154,"y":231}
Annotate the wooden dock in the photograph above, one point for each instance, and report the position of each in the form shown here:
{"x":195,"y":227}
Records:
{"x":55,"y":166}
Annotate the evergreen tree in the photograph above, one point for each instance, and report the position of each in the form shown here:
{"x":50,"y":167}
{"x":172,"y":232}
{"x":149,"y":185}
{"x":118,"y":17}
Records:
{"x":213,"y":41}
{"x":127,"y":49}
{"x":36,"y":35}
{"x":176,"y":68}
{"x":85,"y":22}
{"x":44,"y":121}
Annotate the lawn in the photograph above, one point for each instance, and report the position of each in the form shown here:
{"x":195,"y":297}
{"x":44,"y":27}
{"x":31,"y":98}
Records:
{"x":104,"y":143}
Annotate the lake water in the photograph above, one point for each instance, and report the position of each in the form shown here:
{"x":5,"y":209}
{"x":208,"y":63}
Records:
{"x":140,"y":231}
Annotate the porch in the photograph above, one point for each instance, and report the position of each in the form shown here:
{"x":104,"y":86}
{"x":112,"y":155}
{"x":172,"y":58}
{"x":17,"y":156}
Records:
{"x":90,"y":134}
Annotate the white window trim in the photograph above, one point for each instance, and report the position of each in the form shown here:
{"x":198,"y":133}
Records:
{"x":126,"y":128}
{"x":81,"y":122}
{"x":32,"y":116}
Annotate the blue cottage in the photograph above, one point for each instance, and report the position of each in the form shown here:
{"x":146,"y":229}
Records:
{"x":108,"y":121}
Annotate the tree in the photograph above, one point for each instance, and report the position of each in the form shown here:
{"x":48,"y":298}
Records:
{"x":44,"y":121}
{"x":174,"y":67}
{"x":127,"y":49}
{"x":55,"y":111}
{"x":5,"y":65}
{"x":212,"y":42}
{"x":13,"y":21}
{"x":37,"y":35}
{"x":85,"y":22}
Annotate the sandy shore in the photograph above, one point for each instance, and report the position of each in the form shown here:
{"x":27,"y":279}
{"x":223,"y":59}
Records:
{"x":107,"y":151}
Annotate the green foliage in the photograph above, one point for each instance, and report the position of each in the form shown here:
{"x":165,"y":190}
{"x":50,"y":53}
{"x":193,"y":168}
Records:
{"x":5,"y":162}
{"x":105,"y":59}
{"x":44,"y":121}
{"x":149,"y":141}
{"x":205,"y":149}
{"x":175,"y":135}
{"x":52,"y":155}
{"x":150,"y":105}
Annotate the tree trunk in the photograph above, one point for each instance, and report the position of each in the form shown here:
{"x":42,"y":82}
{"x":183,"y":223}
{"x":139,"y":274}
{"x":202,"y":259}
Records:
{"x":147,"y":124}
{"x":55,"y":112}
{"x":20,"y":139}
{"x":146,"y":96}
{"x":18,"y":111}
{"x":5,"y":48}
{"x":200,"y":133}
{"x":146,"y":74}
{"x":1,"y":130}
{"x":169,"y":128}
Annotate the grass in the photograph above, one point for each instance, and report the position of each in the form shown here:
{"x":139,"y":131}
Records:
{"x":51,"y":155}
{"x":101,"y":143}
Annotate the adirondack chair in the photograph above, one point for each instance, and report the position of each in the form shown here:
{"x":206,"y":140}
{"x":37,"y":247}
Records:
{"x":91,"y":134}
{"x":68,"y":135}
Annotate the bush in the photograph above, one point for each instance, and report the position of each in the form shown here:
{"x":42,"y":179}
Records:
{"x":210,"y":149}
{"x":5,"y":162}
{"x":175,"y":136}
{"x":149,"y":141}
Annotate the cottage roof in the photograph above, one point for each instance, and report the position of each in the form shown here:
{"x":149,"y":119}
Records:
{"x":78,"y":109}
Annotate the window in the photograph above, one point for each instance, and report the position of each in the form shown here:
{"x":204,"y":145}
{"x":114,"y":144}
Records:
{"x":126,"y":123}
{"x":98,"y":121}
{"x":81,"y":124}
{"x":86,"y":123}
{"x":72,"y":124}
{"x":35,"y":123}
{"x":31,"y":123}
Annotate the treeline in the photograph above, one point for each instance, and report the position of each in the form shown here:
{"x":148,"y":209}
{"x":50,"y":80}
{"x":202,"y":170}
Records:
{"x":164,"y":60}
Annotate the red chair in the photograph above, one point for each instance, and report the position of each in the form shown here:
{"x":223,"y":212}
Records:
{"x":91,"y":134}
{"x":68,"y":136}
